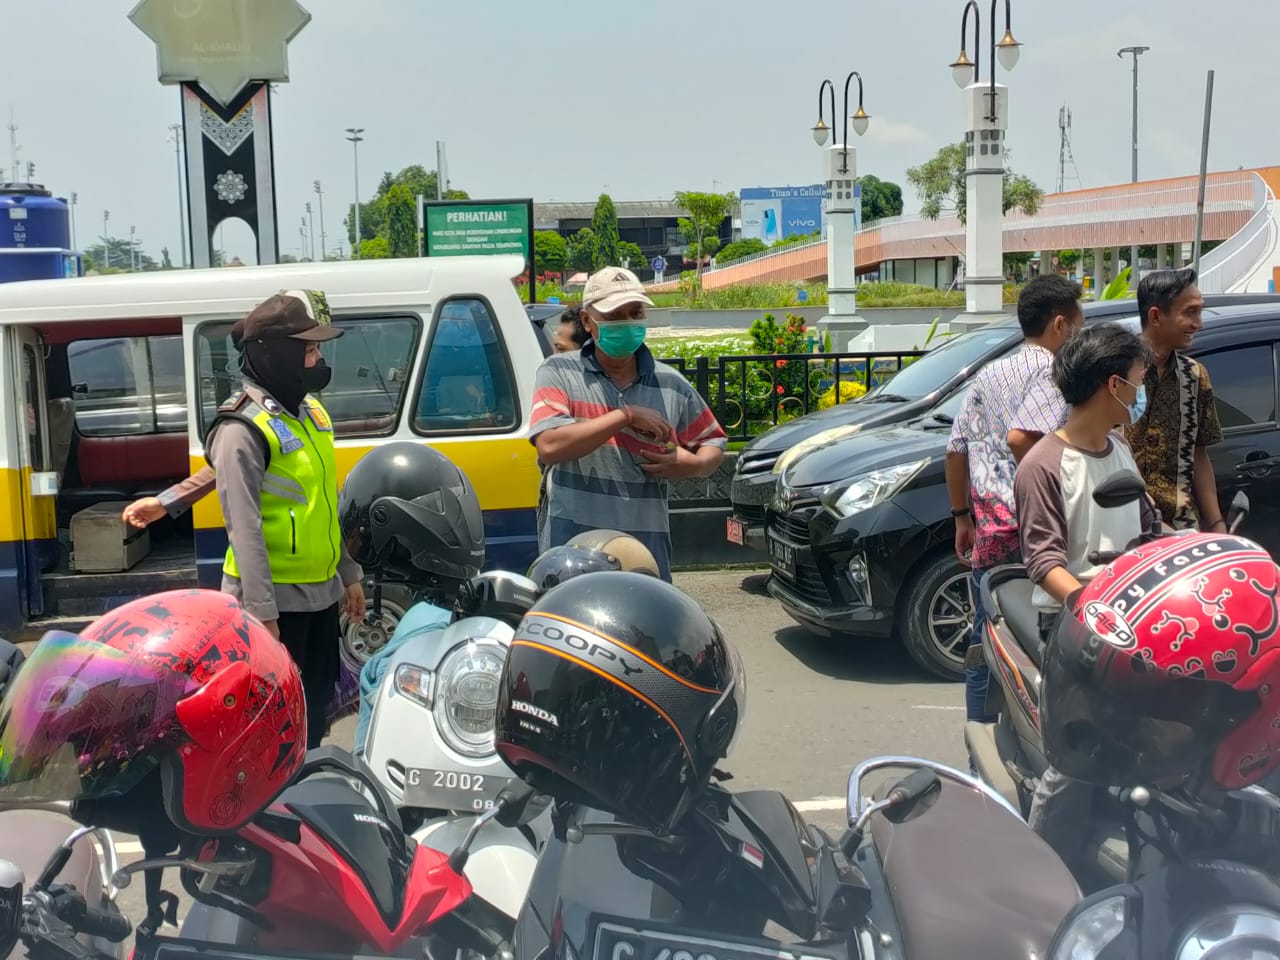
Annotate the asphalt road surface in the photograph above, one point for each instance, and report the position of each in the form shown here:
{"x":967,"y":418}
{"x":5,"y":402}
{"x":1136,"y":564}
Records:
{"x":815,"y":707}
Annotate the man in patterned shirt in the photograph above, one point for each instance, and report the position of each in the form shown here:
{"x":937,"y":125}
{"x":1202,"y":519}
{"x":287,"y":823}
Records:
{"x":1170,"y":441}
{"x":1007,"y":396}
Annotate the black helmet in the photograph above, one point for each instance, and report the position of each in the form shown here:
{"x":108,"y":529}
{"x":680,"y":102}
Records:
{"x":406,"y":510}
{"x":620,"y":693}
{"x":564,"y":563}
{"x":498,"y":594}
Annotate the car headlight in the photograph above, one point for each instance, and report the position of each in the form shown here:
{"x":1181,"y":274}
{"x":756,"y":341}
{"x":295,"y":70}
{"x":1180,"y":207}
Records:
{"x":1089,"y":932}
{"x":466,"y":696}
{"x":813,"y":443}
{"x":862,"y":493}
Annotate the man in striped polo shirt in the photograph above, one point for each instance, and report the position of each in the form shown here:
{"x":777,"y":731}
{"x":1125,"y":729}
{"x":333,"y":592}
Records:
{"x":614,"y":426}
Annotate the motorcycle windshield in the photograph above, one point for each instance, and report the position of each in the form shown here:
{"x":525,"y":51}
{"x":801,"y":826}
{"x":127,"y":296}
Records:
{"x":83,"y":720}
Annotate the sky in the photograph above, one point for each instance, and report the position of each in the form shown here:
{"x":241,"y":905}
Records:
{"x":566,"y":99}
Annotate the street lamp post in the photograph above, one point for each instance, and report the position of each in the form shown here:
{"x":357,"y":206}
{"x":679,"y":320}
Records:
{"x":106,"y":244}
{"x":355,"y":139}
{"x":1136,"y":52}
{"x":311,"y":229}
{"x":841,"y":169}
{"x":133,"y":259}
{"x":987,"y":119}
{"x":176,"y":130}
{"x":75,"y":198}
{"x":324,"y":246}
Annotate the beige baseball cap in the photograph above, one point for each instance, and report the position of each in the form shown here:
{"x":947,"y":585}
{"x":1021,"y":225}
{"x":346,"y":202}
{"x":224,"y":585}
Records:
{"x":613,"y":287}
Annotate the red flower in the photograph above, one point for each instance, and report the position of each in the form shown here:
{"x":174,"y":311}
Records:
{"x":780,"y":363}
{"x":781,"y":389}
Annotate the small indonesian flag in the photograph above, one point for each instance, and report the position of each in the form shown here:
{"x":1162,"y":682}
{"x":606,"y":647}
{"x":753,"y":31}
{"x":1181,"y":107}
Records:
{"x":753,"y":855}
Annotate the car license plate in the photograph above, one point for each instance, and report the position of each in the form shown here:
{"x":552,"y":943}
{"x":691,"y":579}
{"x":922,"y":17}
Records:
{"x":735,"y":531}
{"x":450,"y":789}
{"x":616,"y":941}
{"x":782,"y":556}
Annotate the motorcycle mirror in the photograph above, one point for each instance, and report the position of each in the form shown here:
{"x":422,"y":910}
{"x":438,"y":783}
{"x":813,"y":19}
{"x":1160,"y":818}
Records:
{"x":11,"y":881}
{"x":1238,"y":511}
{"x":907,"y":793}
{"x":1119,"y":489}
{"x":512,"y":802}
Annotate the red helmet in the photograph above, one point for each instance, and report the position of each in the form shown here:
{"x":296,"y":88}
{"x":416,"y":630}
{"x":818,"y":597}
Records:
{"x":1170,"y":667}
{"x":183,"y":683}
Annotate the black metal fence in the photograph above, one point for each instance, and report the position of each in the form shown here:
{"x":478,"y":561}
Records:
{"x":752,"y":393}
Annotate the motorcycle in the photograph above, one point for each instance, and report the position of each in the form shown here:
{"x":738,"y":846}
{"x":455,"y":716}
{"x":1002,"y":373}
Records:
{"x":1008,"y":755}
{"x":85,"y":867}
{"x":430,"y":736}
{"x":934,"y":866}
{"x":325,"y":868}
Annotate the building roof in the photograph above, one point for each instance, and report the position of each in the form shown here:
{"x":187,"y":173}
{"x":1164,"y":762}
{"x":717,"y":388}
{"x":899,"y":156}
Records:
{"x":549,"y":214}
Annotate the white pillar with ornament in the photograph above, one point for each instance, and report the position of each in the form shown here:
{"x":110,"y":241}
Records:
{"x":984,"y":198}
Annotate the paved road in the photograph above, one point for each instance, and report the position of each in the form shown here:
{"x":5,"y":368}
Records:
{"x":815,"y":707}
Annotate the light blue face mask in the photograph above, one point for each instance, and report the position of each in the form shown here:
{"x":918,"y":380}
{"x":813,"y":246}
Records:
{"x":620,"y":340}
{"x":1139,"y":405}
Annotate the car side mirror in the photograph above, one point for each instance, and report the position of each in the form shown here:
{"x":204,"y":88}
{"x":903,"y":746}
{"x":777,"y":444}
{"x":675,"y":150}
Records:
{"x":1119,"y":490}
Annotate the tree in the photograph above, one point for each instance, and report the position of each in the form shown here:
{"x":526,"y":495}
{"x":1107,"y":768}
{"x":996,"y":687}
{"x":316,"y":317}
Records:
{"x":119,"y":259}
{"x":880,"y":199}
{"x":940,"y":183}
{"x":604,"y":224}
{"x":550,"y":252}
{"x":630,"y":256}
{"x":402,"y":222}
{"x":165,"y":262}
{"x":582,"y":251}
{"x":746,"y":247}
{"x":415,"y":178}
{"x":375,"y":249}
{"x":701,"y":229}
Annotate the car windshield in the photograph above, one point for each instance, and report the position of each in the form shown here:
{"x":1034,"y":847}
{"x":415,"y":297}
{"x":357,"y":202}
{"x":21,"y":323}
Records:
{"x":941,"y":364}
{"x":949,"y":409}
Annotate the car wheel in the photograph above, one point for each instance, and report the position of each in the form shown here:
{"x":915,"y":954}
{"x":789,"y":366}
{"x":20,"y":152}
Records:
{"x":937,"y":615}
{"x":362,"y":640}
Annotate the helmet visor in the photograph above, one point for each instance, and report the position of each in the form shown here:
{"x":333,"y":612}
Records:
{"x":732,"y":705}
{"x":84,"y":720}
{"x":1110,"y":718}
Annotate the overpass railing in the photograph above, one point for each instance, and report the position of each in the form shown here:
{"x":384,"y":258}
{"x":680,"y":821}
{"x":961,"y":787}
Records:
{"x":1232,"y":262}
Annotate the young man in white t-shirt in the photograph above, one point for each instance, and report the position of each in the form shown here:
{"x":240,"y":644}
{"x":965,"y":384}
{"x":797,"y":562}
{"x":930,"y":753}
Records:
{"x":1100,"y":373}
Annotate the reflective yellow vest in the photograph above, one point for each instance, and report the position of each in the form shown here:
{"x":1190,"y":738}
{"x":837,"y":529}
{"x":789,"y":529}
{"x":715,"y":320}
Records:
{"x":299,"y":491}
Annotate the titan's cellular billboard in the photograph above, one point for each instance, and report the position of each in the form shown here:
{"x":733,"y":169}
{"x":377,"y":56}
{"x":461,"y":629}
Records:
{"x":774,"y":213}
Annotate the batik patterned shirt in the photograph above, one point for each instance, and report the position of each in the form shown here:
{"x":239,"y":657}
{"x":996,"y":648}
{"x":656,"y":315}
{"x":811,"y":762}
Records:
{"x":1014,"y":392}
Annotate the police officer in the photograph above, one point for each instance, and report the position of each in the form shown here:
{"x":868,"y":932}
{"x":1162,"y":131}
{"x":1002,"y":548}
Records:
{"x":271,"y":446}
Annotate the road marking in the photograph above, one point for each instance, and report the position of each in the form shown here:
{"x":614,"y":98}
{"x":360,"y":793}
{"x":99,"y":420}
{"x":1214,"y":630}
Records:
{"x":128,"y":848}
{"x":820,"y":803}
{"x":938,"y":706}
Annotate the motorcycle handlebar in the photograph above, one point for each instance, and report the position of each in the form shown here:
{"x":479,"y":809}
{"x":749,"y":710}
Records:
{"x":77,"y":914}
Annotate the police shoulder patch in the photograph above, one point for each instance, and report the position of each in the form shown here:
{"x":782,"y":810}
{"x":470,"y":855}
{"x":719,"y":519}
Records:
{"x":289,"y":442}
{"x":234,"y":402}
{"x":318,"y":416}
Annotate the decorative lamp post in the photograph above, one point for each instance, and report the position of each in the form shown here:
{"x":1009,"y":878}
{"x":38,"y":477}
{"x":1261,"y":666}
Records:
{"x":1135,"y":52}
{"x":987,"y":119}
{"x":841,"y":169}
{"x":355,"y":138}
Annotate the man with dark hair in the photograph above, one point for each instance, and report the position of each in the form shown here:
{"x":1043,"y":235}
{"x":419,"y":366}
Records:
{"x":1013,"y":392}
{"x":1100,"y":374}
{"x":1170,"y":442}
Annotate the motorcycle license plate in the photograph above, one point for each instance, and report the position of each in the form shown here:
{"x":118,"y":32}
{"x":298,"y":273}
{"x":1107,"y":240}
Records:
{"x":450,"y":789}
{"x":782,"y":556}
{"x":616,"y":941}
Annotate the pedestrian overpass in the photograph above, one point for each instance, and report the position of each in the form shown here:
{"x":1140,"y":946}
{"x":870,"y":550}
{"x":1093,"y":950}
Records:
{"x":1239,"y":209}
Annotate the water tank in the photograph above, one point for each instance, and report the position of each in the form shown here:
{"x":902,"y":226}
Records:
{"x":35,"y":234}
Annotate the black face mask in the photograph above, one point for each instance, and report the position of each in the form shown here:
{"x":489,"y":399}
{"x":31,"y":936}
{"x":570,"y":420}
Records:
{"x":315,"y":379}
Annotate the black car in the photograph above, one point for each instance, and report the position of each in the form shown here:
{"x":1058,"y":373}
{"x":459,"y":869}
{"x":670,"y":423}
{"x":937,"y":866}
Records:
{"x":861,"y":537}
{"x":913,"y":392}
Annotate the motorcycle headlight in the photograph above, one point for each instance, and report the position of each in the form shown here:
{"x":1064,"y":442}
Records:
{"x":862,"y":493}
{"x":1091,"y":930}
{"x":415,"y":683}
{"x":1233,"y":933}
{"x":466,"y":696}
{"x":793,"y":454}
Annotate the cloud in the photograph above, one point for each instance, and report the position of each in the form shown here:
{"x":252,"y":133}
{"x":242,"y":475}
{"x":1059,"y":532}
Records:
{"x":894,"y":134}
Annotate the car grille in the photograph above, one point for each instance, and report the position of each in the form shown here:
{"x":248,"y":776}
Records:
{"x":752,"y":464}
{"x":794,"y":528}
{"x":749,"y":513}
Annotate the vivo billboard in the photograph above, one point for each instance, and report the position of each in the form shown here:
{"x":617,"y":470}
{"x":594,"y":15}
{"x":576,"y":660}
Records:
{"x":774,"y":213}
